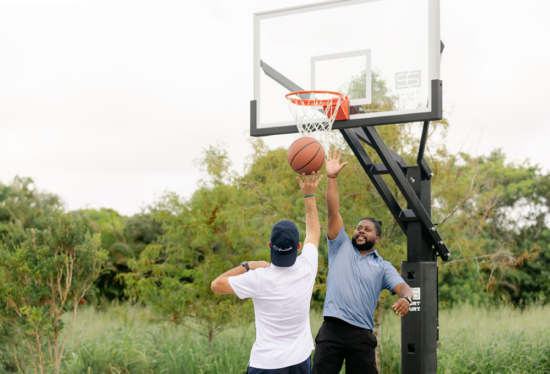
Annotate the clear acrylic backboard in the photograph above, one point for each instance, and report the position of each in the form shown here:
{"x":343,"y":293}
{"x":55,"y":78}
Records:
{"x":383,"y":54}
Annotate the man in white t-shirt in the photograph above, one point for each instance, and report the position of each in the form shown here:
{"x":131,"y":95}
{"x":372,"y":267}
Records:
{"x":281,"y":292}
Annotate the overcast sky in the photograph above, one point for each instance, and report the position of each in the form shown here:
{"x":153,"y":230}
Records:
{"x":107,"y":103}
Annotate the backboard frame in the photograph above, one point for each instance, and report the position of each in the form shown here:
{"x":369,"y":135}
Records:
{"x":436,"y":114}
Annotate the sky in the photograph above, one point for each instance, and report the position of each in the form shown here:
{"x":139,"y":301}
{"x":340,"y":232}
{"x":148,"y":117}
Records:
{"x":108,"y":103}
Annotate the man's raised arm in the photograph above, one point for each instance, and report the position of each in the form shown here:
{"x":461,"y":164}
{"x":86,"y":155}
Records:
{"x":333,"y":167}
{"x":308,"y":186}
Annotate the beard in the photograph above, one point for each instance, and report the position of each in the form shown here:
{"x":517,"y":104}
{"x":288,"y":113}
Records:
{"x":366,"y":246}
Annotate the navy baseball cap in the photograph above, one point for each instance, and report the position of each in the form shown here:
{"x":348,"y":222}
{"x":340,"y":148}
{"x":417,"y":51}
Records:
{"x":284,"y":243}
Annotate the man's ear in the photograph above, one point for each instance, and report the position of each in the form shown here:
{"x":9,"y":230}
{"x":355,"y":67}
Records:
{"x":377,"y":240}
{"x":269,"y":244}
{"x":299,"y":245}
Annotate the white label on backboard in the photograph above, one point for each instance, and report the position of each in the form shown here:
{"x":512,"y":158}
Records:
{"x":416,"y":293}
{"x":407,"y":79}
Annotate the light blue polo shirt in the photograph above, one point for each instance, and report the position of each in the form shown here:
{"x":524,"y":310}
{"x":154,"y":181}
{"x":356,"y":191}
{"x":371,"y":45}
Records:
{"x":354,"y":283}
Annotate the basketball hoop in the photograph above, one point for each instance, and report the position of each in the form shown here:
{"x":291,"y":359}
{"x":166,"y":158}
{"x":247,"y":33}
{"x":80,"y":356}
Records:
{"x":316,"y":111}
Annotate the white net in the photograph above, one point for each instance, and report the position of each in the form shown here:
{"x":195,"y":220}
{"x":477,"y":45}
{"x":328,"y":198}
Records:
{"x":314,"y":113}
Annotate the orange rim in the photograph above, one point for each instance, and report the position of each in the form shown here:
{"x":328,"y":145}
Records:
{"x":312,"y":102}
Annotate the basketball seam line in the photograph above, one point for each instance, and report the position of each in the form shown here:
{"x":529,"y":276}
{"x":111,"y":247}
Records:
{"x":301,"y":149}
{"x":313,"y":158}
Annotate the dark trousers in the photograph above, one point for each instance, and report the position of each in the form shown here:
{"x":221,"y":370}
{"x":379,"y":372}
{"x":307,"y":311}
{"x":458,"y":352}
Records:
{"x":338,"y":341}
{"x":301,"y":368}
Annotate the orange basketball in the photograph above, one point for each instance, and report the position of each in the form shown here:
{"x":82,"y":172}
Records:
{"x":306,"y":155}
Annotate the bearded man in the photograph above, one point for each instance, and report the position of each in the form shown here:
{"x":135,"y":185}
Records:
{"x":357,"y":274}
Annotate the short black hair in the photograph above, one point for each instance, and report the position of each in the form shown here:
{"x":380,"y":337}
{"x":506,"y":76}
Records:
{"x":377,"y":224}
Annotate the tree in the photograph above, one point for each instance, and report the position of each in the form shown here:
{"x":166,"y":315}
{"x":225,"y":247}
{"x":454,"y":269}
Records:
{"x":124,"y":238}
{"x":200,"y":240}
{"x":44,"y":273}
{"x":513,"y":256}
{"x":22,"y":201}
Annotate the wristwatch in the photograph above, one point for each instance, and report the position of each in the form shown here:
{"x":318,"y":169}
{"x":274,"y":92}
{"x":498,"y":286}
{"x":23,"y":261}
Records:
{"x":408,"y":299}
{"x":245,"y":264}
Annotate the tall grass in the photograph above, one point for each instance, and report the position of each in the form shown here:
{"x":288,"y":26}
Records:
{"x":123,"y":340}
{"x":474,"y":340}
{"x":482,"y":340}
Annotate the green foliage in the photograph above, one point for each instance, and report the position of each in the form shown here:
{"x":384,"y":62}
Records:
{"x":124,"y":238}
{"x":200,"y":241}
{"x":513,"y":249}
{"x":44,"y":273}
{"x":110,"y":225}
{"x":21,"y":201}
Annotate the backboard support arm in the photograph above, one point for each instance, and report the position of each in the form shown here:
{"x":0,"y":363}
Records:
{"x":426,"y":170}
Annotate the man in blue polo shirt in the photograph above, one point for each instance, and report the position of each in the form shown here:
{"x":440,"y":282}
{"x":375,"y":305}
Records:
{"x":357,"y":274}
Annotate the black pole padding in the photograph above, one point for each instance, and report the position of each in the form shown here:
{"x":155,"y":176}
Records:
{"x":419,"y":325}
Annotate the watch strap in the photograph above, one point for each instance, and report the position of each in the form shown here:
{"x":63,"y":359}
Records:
{"x":245,"y":264}
{"x":407,"y":298}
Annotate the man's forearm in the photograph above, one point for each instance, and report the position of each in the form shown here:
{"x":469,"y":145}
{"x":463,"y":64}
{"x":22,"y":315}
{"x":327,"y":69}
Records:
{"x":332,"y":198}
{"x":405,"y":291}
{"x":233,"y":272}
{"x":221,"y":284}
{"x":313,"y":230}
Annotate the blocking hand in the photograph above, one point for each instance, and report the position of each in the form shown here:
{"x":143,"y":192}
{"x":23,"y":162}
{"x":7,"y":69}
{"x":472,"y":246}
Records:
{"x":333,"y":164}
{"x":309,"y":184}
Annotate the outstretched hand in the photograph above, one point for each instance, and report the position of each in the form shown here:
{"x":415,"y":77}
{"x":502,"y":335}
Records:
{"x":401,"y":307}
{"x":309,"y":184}
{"x":333,"y":164}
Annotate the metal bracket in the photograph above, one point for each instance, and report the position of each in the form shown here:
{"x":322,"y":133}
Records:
{"x":408,"y":193}
{"x":426,"y":170}
{"x":366,"y":162}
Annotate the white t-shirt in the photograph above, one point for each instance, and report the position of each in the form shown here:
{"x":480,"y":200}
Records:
{"x":281,"y":297}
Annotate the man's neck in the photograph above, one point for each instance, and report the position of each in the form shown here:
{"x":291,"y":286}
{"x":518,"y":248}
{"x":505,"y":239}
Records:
{"x":364,"y":253}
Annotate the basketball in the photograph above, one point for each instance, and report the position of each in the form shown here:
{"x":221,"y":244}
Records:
{"x":306,"y":155}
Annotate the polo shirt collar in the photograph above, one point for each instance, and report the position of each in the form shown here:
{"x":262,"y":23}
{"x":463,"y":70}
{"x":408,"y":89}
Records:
{"x":374,"y":253}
